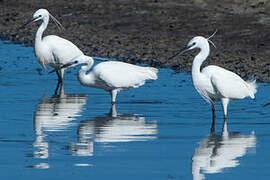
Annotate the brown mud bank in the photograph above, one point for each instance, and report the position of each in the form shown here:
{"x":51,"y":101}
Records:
{"x":150,"y":31}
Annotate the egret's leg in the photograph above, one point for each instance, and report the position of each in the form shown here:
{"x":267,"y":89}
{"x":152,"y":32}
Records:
{"x":57,"y":87}
{"x":62,"y":71}
{"x":59,"y":76}
{"x":62,"y":93}
{"x":224,"y":129}
{"x":225,"y":102}
{"x":113,"y":95}
{"x":58,"y":83}
{"x":57,"y":73}
{"x":113,"y":111}
{"x":213,"y":118}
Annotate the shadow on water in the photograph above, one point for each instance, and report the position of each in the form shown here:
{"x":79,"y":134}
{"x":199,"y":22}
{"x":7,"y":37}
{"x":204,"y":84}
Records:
{"x":219,"y":151}
{"x":111,"y":127}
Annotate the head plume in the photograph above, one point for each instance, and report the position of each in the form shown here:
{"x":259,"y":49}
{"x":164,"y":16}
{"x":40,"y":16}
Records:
{"x":208,"y":39}
{"x":58,"y":24}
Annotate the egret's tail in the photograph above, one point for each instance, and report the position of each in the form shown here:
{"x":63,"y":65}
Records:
{"x":252,"y":86}
{"x":152,"y":72}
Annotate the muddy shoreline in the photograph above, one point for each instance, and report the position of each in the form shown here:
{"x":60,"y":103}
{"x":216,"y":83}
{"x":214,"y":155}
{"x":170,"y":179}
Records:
{"x":149,"y":31}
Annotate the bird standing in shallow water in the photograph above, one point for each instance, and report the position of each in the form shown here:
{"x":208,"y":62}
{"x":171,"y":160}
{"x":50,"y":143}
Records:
{"x":52,"y":50}
{"x":215,"y":83}
{"x":111,"y":76}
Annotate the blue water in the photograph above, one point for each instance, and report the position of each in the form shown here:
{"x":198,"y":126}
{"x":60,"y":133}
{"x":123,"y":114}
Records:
{"x":158,"y":131}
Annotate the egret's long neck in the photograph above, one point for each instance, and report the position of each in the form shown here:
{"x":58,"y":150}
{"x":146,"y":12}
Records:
{"x":84,"y":77}
{"x":41,"y":29}
{"x":200,"y":58}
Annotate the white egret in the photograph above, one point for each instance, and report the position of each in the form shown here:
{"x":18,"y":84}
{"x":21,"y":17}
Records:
{"x":215,"y":83}
{"x":52,"y":50}
{"x":112,"y":76}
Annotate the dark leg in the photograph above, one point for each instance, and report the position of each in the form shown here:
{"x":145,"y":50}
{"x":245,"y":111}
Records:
{"x":213,"y":118}
{"x":57,"y":87}
{"x":59,"y":76}
{"x":59,"y":82}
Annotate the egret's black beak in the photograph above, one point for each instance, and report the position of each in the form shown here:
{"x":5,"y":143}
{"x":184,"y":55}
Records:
{"x":52,"y":71}
{"x":64,"y":66}
{"x":68,"y":64}
{"x":29,"y":21}
{"x":181,"y":51}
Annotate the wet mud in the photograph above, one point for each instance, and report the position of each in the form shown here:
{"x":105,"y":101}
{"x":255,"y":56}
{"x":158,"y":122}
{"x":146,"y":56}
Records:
{"x":150,"y":31}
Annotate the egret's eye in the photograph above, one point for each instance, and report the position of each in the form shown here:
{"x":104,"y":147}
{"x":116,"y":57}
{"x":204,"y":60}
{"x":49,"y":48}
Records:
{"x":193,"y":44}
{"x":76,"y":62}
{"x":39,"y":15}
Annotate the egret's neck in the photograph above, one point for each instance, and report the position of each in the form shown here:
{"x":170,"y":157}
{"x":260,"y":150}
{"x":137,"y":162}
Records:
{"x":200,"y":58}
{"x":41,"y":29}
{"x":84,"y":77}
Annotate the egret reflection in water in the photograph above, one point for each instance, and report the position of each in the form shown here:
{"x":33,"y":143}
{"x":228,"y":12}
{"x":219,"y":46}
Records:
{"x":111,"y":128}
{"x":219,"y":151}
{"x":55,"y":114}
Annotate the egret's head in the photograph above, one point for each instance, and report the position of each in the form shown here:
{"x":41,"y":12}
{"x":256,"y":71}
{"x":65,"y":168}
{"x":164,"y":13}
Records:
{"x":196,"y":42}
{"x":44,"y":15}
{"x":79,"y":60}
{"x":83,"y":60}
{"x":40,"y":15}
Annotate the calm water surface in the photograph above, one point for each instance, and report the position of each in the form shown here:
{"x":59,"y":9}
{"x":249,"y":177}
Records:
{"x":158,"y":131}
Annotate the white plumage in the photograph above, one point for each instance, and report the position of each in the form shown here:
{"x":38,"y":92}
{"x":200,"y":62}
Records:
{"x":52,"y":50}
{"x":112,"y":76}
{"x":215,"y":83}
{"x":128,"y":75}
{"x":55,"y":51}
{"x":229,"y":84}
